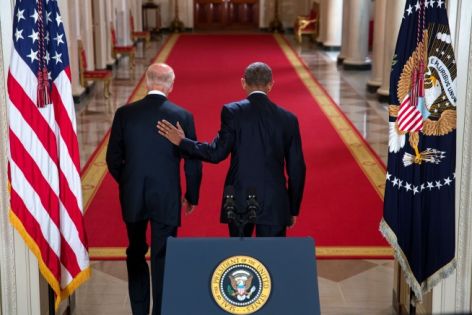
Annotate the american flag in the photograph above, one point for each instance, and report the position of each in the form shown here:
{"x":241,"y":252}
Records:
{"x":46,"y":195}
{"x":409,"y":117}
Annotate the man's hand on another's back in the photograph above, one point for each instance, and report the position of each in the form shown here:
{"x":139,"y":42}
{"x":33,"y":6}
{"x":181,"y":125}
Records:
{"x":170,"y":132}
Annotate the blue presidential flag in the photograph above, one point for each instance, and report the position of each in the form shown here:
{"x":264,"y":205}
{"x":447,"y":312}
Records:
{"x":418,"y":219}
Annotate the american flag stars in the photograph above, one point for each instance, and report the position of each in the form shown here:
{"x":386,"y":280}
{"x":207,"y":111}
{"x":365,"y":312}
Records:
{"x":26,"y":37}
{"x":427,"y":4}
{"x":20,"y":15}
{"x":35,"y":16}
{"x":34,"y":36}
{"x":57,"y":57}
{"x":18,"y":34}
{"x":58,"y":20}
{"x":58,"y":39}
{"x":33,"y":55}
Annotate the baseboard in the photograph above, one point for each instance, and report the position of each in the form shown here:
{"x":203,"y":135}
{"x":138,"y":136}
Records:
{"x":372,"y":88}
{"x":79,"y":98}
{"x":330,"y":48}
{"x":362,"y":67}
{"x":112,"y":66}
{"x":383,"y":98}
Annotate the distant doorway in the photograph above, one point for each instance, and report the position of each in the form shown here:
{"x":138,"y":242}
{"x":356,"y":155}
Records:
{"x":226,"y":14}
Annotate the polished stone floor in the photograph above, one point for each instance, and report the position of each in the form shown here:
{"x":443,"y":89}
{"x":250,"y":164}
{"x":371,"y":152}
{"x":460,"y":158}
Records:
{"x":346,"y":286}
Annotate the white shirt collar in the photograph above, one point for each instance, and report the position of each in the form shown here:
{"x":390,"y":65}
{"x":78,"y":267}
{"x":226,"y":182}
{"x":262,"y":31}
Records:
{"x":258,"y":92}
{"x":157,"y":92}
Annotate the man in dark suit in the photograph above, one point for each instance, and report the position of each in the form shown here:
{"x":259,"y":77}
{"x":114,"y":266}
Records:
{"x":264,"y":142}
{"x":147,"y":169}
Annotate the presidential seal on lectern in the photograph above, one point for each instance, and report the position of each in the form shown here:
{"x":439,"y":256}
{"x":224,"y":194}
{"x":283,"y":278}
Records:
{"x":241,"y":285}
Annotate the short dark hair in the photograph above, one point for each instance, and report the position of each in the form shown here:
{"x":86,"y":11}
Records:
{"x":258,"y":74}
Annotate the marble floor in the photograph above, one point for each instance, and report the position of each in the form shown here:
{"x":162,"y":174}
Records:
{"x":346,"y":286}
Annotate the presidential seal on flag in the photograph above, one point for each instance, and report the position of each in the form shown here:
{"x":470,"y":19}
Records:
{"x":427,"y":90}
{"x":419,"y":202}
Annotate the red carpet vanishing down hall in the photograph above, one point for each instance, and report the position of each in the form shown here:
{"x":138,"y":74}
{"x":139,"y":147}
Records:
{"x":342,"y":203}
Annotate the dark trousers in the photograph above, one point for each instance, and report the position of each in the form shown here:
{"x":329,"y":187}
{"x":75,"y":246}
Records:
{"x":138,"y":270}
{"x":261,"y":230}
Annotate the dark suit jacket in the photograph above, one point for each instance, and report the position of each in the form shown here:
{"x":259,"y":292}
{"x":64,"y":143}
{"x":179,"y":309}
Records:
{"x":264,"y":141}
{"x":146,"y":165}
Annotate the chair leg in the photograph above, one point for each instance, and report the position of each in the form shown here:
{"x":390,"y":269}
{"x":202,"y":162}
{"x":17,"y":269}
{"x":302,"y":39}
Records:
{"x":313,"y":37}
{"x":132,"y":60}
{"x":106,"y":89}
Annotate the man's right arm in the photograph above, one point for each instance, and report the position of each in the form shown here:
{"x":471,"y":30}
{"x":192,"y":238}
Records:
{"x":219,"y":148}
{"x":296,"y":169}
{"x":115,"y":154}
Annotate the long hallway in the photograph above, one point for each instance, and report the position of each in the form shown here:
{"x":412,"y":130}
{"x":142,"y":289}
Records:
{"x":347,"y":286}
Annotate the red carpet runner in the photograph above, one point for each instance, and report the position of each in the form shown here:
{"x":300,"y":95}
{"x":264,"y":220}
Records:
{"x":342,"y":202}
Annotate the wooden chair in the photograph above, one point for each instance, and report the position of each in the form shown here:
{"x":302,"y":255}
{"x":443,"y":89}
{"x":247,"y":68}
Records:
{"x":139,"y":35}
{"x":92,"y":75}
{"x":128,"y":50}
{"x":307,"y":24}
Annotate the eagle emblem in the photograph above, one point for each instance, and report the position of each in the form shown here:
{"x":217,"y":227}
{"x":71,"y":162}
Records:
{"x":241,"y":285}
{"x":426,"y":91}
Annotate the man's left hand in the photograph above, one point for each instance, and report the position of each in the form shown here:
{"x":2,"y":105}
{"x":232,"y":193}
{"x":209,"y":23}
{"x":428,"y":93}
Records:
{"x":294,"y":220}
{"x":188,"y":207}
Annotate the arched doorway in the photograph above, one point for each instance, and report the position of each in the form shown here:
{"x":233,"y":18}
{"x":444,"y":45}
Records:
{"x":226,"y":14}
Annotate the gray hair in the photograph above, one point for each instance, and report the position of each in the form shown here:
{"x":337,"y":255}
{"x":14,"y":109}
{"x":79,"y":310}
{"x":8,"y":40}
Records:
{"x":160,"y":78}
{"x":258,"y":74}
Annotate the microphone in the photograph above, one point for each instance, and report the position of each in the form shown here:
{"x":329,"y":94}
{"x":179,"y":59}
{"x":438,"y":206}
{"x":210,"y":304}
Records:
{"x":252,"y":205}
{"x":229,"y":204}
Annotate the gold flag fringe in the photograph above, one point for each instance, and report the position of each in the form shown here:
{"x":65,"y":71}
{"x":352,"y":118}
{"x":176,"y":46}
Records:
{"x":419,"y":289}
{"x":61,"y":293}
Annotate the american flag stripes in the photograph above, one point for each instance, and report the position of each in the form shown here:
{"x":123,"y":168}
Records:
{"x":409,"y":117}
{"x":44,"y":170}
